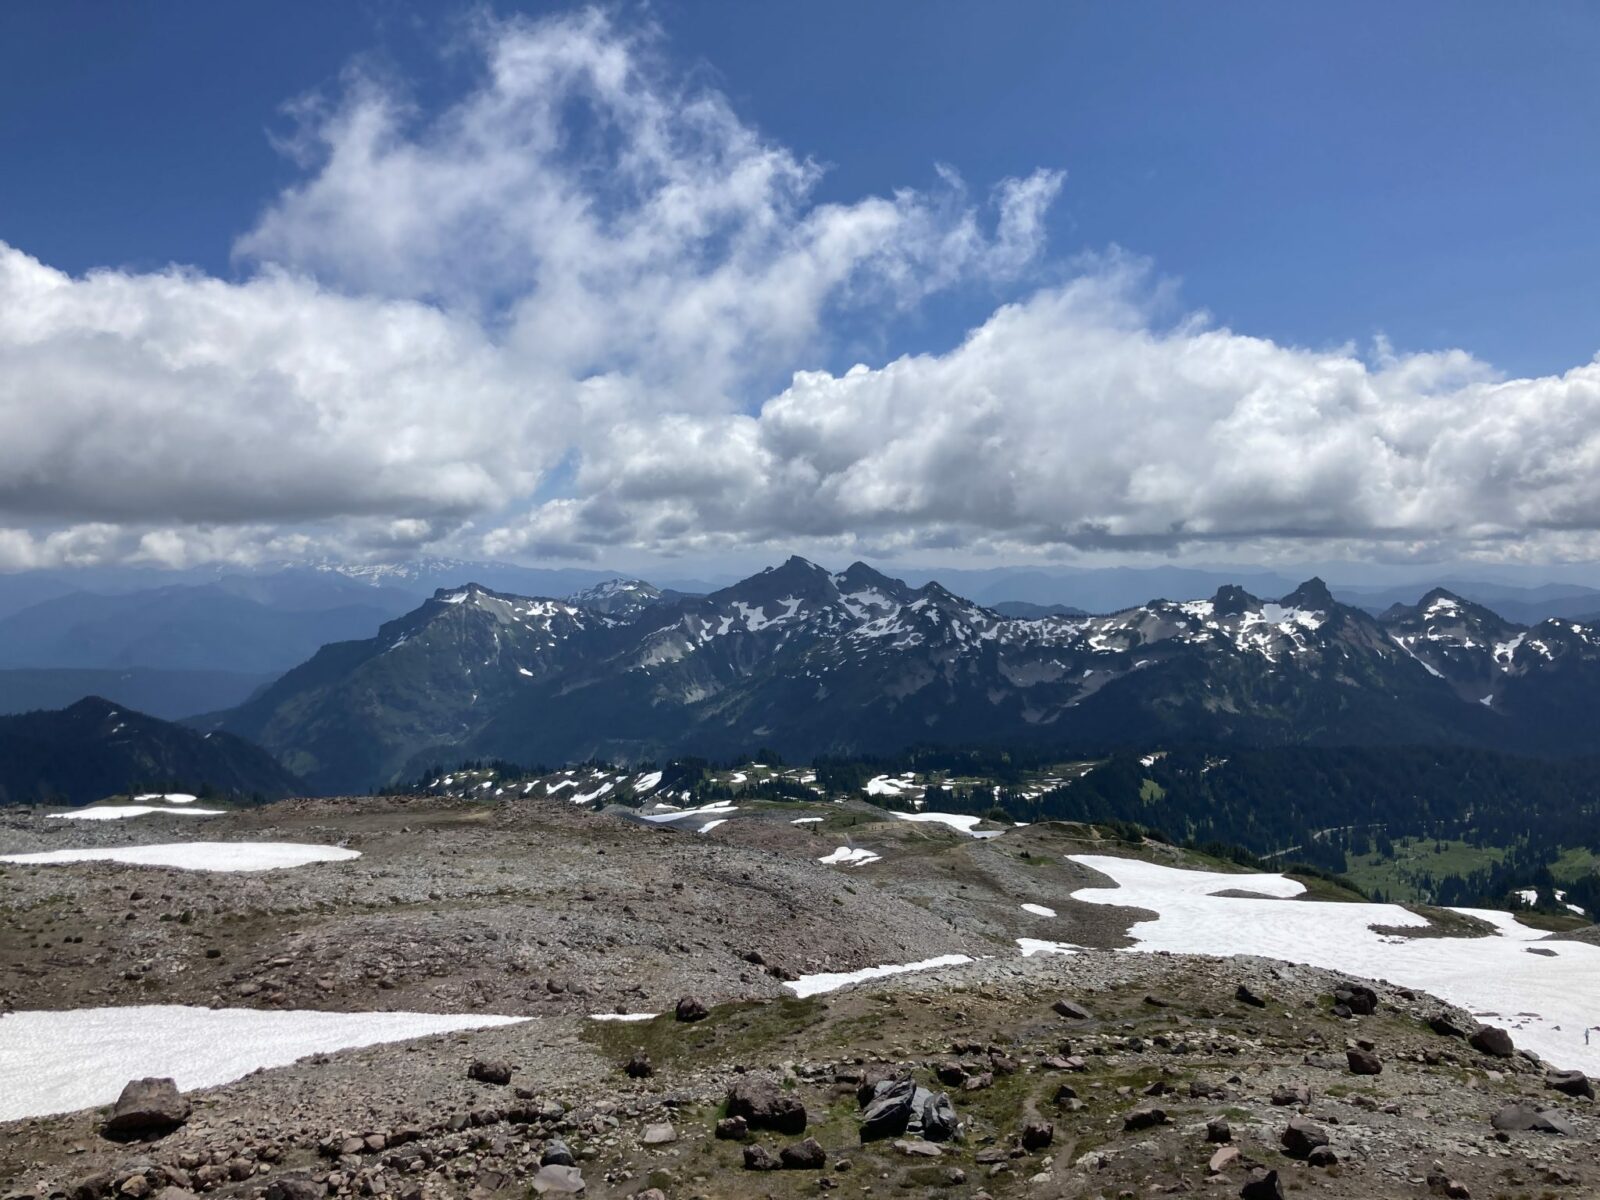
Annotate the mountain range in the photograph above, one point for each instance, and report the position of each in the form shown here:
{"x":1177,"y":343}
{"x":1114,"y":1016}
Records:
{"x":809,"y":662}
{"x":96,"y":748}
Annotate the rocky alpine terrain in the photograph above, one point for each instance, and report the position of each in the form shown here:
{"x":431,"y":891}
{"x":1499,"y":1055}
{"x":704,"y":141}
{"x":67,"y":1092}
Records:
{"x":1096,"y":1073}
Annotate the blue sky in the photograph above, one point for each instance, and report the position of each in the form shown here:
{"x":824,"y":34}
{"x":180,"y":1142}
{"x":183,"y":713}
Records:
{"x":1315,"y":174}
{"x":1251,"y":282}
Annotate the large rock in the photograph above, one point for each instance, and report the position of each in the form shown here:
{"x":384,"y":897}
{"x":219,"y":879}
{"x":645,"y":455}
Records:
{"x":759,"y":1158}
{"x":1492,"y":1041}
{"x":1071,"y":1010}
{"x":147,"y":1108}
{"x":890,"y":1110}
{"x":558,"y":1181}
{"x":1262,"y":1185}
{"x":1363,"y":1062}
{"x":764,"y":1105}
{"x":1036,"y":1135}
{"x":1358,"y":998}
{"x":803,"y":1156}
{"x":691,"y":1008}
{"x":1524,"y":1118}
{"x":1570,"y":1083}
{"x":939,"y":1122}
{"x":490,"y":1070}
{"x":1302,"y":1137}
{"x":557,"y":1154}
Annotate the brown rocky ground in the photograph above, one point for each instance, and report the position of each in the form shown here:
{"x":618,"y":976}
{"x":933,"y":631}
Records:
{"x":553,"y":912}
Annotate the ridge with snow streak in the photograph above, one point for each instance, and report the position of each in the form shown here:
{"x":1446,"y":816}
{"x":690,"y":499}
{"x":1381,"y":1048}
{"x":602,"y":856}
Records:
{"x":811,"y":661}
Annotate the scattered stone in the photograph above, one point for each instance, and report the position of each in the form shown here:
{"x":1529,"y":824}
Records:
{"x":147,"y":1108}
{"x":1301,"y":1137}
{"x":1144,"y":1117}
{"x":1523,"y":1118}
{"x":288,"y":1187}
{"x":1570,"y":1083}
{"x":889,"y":1112}
{"x":557,"y":1154}
{"x":639,"y":1066}
{"x":1358,"y":998}
{"x":939,"y":1121}
{"x":660,"y":1133}
{"x":1224,"y":1158}
{"x":1363,"y":1062}
{"x":732,"y":1129}
{"x":1262,"y":1185}
{"x":1445,"y":1027}
{"x":558,"y":1181}
{"x":1245,"y":996}
{"x":759,"y":1158}
{"x":1291,"y":1095}
{"x":764,"y":1105}
{"x":1492,"y":1041}
{"x":1218,"y":1130}
{"x":1036,"y":1135}
{"x":804,"y":1156}
{"x":496,"y":1071}
{"x":691,"y":1008}
{"x":1072,"y":1011}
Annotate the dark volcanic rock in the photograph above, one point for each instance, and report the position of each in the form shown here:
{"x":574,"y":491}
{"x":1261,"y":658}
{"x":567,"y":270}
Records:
{"x":1071,"y":1010}
{"x":1364,"y":1062}
{"x":147,"y":1108}
{"x":1570,"y":1083}
{"x":759,"y":1158}
{"x":639,"y":1066}
{"x":496,"y":1071}
{"x":1445,"y":1027}
{"x":1245,"y":996}
{"x":1144,"y":1117}
{"x":1036,"y":1135}
{"x":890,"y":1109}
{"x":557,"y":1154}
{"x":764,"y":1105}
{"x":939,"y":1122}
{"x":804,"y":1156}
{"x":1492,"y":1041}
{"x":1358,"y":998}
{"x":732,"y":1129}
{"x":1302,"y":1137}
{"x":691,"y":1008}
{"x":1262,"y":1185}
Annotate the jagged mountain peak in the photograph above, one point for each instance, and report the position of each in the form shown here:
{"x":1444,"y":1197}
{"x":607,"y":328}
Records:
{"x":1312,"y":595}
{"x":1231,"y":600}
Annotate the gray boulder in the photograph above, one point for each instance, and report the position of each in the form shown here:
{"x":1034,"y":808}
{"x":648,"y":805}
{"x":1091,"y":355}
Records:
{"x":1570,"y":1083}
{"x":147,"y":1108}
{"x":890,"y":1110}
{"x":1492,"y":1041}
{"x":764,"y":1105}
{"x":1302,"y":1137}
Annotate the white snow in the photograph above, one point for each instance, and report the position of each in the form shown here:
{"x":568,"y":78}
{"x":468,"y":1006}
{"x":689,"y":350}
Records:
{"x":717,"y":807}
{"x":1032,"y":946}
{"x":806,"y":821}
{"x":623,"y":1016}
{"x":957,"y":821}
{"x":647,"y":783}
{"x":1528,"y":895}
{"x":169,"y":797}
{"x":66,"y":1060}
{"x":1038,"y":910}
{"x":197,"y":856}
{"x":816,"y":985}
{"x":1545,"y":1000}
{"x":853,"y":858}
{"x":117,"y":812}
{"x":882,"y":785}
{"x":710,"y":825}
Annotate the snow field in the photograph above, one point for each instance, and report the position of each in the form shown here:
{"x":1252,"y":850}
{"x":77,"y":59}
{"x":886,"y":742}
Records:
{"x":196,"y":856}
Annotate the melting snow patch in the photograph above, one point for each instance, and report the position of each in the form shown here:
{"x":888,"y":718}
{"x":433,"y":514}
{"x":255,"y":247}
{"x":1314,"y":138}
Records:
{"x":816,"y":985}
{"x":1553,"y":998}
{"x":957,"y":821}
{"x":116,"y":812}
{"x":623,"y":1016}
{"x":169,"y":797}
{"x":854,"y":858}
{"x":647,"y":783}
{"x":62,"y":1061}
{"x":197,"y":856}
{"x":806,"y":821}
{"x":1038,"y":910}
{"x":1032,"y":946}
{"x":710,"y":825}
{"x":718,"y":808}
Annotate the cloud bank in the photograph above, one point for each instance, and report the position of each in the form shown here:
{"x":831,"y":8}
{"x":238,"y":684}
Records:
{"x":557,"y":317}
